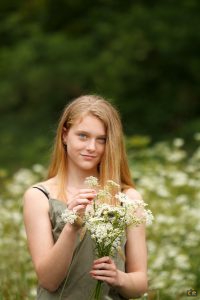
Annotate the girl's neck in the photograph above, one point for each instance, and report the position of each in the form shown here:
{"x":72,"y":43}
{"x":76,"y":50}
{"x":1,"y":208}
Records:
{"x":76,"y":179}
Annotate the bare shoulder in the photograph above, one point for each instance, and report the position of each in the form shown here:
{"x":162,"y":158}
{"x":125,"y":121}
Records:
{"x":34,"y":196}
{"x":133,"y":194}
{"x":33,"y":192}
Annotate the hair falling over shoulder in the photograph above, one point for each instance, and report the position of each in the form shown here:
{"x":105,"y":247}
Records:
{"x":114,"y":164}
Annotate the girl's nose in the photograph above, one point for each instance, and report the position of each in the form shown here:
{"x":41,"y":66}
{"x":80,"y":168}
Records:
{"x":91,"y":145}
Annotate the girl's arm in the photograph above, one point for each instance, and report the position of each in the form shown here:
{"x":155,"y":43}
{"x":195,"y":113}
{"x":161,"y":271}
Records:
{"x":133,"y":283}
{"x":51,"y":261}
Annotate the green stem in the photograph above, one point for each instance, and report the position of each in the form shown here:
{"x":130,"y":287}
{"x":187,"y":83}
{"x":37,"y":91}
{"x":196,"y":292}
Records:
{"x":97,"y":295}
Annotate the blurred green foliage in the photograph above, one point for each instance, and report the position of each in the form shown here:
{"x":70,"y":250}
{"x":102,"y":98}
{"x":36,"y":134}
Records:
{"x":141,"y":55}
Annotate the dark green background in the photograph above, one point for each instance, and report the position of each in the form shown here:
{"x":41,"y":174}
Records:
{"x":142,"y":55}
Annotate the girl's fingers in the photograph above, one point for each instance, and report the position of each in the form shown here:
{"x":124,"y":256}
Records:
{"x":86,"y":191}
{"x":83,"y":201}
{"x":104,"y":266}
{"x":105,"y":259}
{"x":87,"y":195}
{"x":104,"y":269}
{"x":79,"y":201}
{"x":105,"y":273}
{"x":108,"y":276}
{"x":108,"y":280}
{"x":78,"y":208}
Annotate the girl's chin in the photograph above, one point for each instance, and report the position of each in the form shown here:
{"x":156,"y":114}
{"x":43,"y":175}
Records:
{"x":88,"y":167}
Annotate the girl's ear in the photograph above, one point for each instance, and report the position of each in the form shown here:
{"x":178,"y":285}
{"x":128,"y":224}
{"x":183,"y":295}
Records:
{"x":64,"y":135}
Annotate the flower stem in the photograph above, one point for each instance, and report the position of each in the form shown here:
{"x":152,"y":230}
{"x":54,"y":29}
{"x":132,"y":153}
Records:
{"x":97,"y":295}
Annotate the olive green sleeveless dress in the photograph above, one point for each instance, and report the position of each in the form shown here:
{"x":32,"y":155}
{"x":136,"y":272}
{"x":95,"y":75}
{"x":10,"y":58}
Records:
{"x":78,"y":284}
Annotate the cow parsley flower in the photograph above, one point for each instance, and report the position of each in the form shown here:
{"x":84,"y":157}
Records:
{"x":108,"y":218}
{"x":91,"y":181}
{"x":68,"y":216}
{"x":107,"y":221}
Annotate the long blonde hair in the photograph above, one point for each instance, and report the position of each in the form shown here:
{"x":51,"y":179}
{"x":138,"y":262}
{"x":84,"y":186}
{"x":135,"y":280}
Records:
{"x":114,"y":164}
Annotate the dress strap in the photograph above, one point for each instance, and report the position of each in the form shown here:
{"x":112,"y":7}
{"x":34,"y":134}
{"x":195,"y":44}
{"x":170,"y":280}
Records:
{"x":43,"y":190}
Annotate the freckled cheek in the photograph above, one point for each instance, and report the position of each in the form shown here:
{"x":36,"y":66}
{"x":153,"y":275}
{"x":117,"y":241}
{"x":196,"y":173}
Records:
{"x":74,"y":147}
{"x":101,"y":150}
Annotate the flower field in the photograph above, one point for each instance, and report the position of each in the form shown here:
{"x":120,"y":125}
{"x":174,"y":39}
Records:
{"x":168,"y":177}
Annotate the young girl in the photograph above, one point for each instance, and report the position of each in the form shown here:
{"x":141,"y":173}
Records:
{"x":89,"y":142}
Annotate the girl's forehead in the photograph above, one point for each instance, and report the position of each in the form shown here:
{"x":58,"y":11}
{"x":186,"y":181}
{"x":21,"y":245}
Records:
{"x":89,"y":122}
{"x":89,"y":118}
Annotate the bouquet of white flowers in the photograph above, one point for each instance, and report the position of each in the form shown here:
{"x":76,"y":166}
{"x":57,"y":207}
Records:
{"x":107,"y":219}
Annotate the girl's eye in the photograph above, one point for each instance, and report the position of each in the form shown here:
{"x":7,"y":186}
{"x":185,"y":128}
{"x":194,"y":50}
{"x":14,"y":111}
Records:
{"x":82,"y":136}
{"x":102,"y":140}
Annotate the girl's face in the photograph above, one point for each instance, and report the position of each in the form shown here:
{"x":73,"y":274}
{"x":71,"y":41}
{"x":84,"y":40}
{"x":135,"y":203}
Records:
{"x":85,"y":142}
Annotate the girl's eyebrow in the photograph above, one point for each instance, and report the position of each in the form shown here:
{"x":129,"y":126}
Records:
{"x":86,"y":132}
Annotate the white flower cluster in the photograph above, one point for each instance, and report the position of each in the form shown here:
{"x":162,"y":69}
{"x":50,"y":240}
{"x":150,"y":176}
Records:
{"x":91,"y":181}
{"x":104,"y":194}
{"x":122,"y":197}
{"x":68,"y":216}
{"x":148,"y":216}
{"x":107,"y":223}
{"x":132,"y":207}
{"x":111,"y":184}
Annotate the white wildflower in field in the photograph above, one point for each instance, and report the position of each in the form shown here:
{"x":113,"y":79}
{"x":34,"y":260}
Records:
{"x":21,"y":180}
{"x":148,"y":183}
{"x":181,"y":199}
{"x":178,"y":142}
{"x":24,"y":176}
{"x":179,"y":178}
{"x":176,"y":156}
{"x":196,"y":155}
{"x":37,"y":168}
{"x":197,"y":136}
{"x":162,"y":191}
{"x":173,"y":240}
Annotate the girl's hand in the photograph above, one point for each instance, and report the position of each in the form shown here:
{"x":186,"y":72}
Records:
{"x":81,"y":199}
{"x":104,"y":269}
